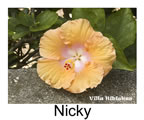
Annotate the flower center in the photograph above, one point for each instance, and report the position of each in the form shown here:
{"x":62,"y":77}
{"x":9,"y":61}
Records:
{"x":75,"y":57}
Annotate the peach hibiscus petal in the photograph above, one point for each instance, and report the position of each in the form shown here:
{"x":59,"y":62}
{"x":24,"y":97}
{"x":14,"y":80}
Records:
{"x":101,"y":51}
{"x":76,"y":31}
{"x":51,"y":44}
{"x":75,"y":57}
{"x":90,"y":77}
{"x":54,"y":74}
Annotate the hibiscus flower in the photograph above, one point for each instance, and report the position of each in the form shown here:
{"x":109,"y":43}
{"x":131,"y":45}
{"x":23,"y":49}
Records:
{"x":74,"y":56}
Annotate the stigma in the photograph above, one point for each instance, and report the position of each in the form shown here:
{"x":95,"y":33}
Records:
{"x":69,"y":64}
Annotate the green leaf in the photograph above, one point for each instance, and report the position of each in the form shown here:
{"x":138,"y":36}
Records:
{"x":20,"y":31}
{"x":25,"y":19}
{"x":12,"y":23}
{"x":130,"y":53}
{"x":44,"y":21}
{"x":59,"y":22}
{"x":12,"y":12}
{"x":122,"y":26}
{"x":108,"y":11}
{"x":96,"y":16}
{"x":121,"y":60}
{"x":10,"y":33}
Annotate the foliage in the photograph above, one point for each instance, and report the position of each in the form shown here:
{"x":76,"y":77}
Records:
{"x":26,"y":26}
